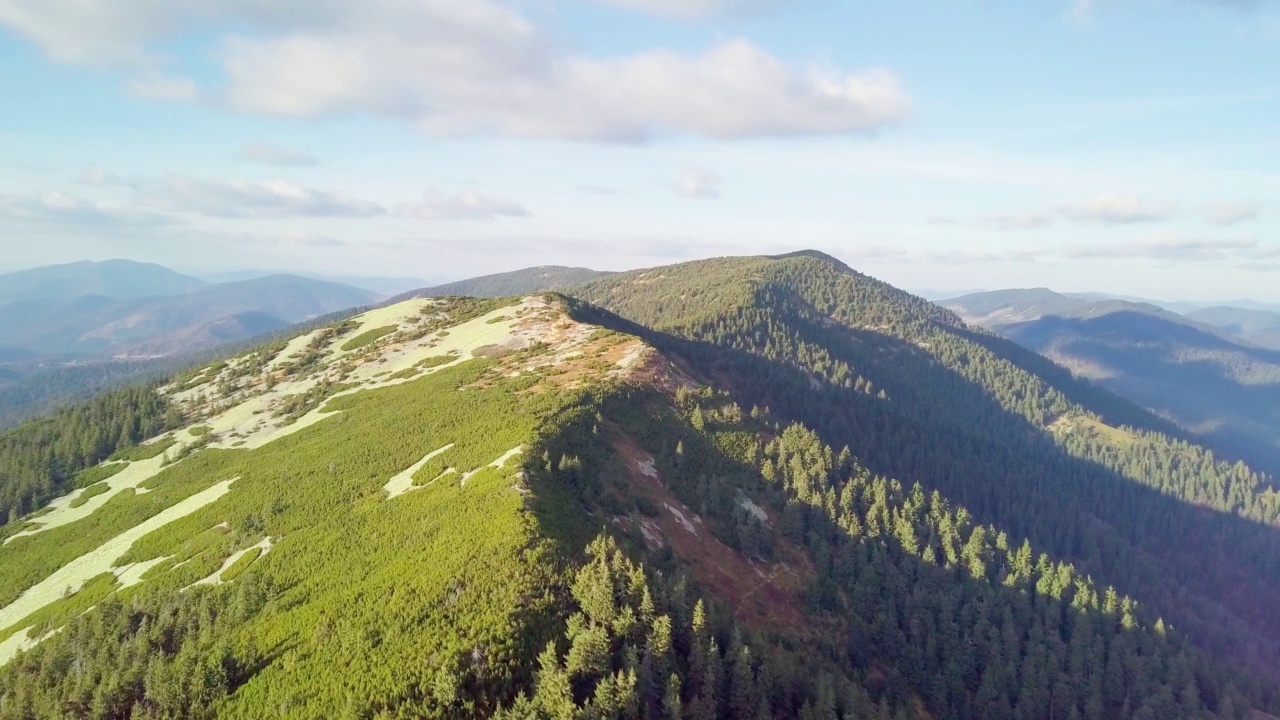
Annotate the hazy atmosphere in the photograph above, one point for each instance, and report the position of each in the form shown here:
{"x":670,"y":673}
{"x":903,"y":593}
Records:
{"x":1123,"y":146}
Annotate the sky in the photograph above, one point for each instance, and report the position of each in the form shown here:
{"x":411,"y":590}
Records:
{"x":1124,"y":146}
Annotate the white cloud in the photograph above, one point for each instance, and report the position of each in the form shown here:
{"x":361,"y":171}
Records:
{"x":98,"y":175}
{"x":1173,"y":247}
{"x":66,"y":209}
{"x":312,"y":240}
{"x":269,"y":154}
{"x":1017,"y":221}
{"x":465,"y":205}
{"x":463,"y":66}
{"x":698,"y":183}
{"x":1223,"y":214}
{"x":691,"y":9}
{"x":275,"y":199}
{"x":1116,"y":209}
{"x":1081,"y":12}
{"x":592,"y":189}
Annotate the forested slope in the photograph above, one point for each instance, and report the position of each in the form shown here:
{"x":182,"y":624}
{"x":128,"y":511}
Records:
{"x":917,"y":395}
{"x":535,"y":508}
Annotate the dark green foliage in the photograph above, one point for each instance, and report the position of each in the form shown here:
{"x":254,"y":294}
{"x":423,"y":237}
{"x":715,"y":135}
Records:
{"x":98,"y":473}
{"x":40,"y":459}
{"x":520,"y":282}
{"x":956,"y":613}
{"x":985,"y":423}
{"x":152,"y":658}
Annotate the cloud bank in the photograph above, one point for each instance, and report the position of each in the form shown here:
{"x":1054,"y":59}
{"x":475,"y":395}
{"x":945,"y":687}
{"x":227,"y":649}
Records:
{"x":453,"y":67}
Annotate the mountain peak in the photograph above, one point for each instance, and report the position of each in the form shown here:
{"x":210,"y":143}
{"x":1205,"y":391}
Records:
{"x":815,"y":255}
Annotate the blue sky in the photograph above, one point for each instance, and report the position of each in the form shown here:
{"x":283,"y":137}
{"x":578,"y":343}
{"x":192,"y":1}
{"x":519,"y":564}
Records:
{"x":1122,"y":146}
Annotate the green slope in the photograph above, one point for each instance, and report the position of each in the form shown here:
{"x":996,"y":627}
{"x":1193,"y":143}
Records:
{"x":917,"y":395}
{"x":676,"y":536}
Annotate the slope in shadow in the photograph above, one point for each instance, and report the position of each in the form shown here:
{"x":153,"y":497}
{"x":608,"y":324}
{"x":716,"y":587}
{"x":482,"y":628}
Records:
{"x":1211,"y":572}
{"x":1224,"y":391}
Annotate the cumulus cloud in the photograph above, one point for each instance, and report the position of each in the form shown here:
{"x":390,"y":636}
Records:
{"x":98,"y":175}
{"x":1116,"y":210}
{"x":1223,"y":214}
{"x":275,"y":199}
{"x":466,"y":66}
{"x":315,"y":240}
{"x":1174,"y":247}
{"x":66,"y":209}
{"x":668,"y":248}
{"x":1017,"y":221}
{"x":691,"y":9}
{"x":269,"y":154}
{"x":465,"y":205}
{"x":698,"y":183}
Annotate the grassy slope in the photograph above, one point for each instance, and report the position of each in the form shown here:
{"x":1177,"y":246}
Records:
{"x":373,"y":572}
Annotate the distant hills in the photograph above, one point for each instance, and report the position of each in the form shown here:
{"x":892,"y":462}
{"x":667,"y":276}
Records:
{"x":1260,"y":327}
{"x":1215,"y":371}
{"x":124,"y":308}
{"x":114,"y":279}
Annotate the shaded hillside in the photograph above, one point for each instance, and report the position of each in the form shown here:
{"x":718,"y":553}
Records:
{"x":1258,"y":327}
{"x":1184,"y":369}
{"x":115,"y":279}
{"x":917,"y":395}
{"x":532,"y":508}
{"x":518,"y":282}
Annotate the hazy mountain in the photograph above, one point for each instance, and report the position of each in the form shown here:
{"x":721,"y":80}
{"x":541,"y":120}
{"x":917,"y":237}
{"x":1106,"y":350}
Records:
{"x":518,"y":282}
{"x":1190,"y":370}
{"x":115,"y":279}
{"x":1259,"y":327}
{"x":765,"y":487}
{"x":122,"y":311}
{"x":387,"y":286}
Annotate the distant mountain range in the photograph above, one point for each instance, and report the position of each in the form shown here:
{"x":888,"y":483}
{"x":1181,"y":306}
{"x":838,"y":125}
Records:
{"x":374,"y":283}
{"x":120,"y":308}
{"x":1215,"y":371}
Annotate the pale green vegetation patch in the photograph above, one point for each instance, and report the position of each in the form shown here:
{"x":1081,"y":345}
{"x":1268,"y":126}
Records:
{"x":403,"y":482}
{"x":88,"y":493}
{"x":369,"y":337}
{"x":70,"y":578}
{"x":242,"y":563}
{"x":81,"y":503}
{"x":98,"y":473}
{"x":235,"y":564}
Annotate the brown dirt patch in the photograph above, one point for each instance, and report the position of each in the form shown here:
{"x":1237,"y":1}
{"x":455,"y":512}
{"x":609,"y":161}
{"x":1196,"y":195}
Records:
{"x":764,"y":596}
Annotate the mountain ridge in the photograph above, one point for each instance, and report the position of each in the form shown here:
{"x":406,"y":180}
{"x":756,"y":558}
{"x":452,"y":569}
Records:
{"x":744,"y":487}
